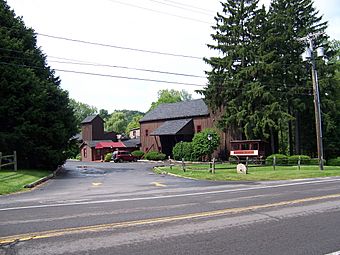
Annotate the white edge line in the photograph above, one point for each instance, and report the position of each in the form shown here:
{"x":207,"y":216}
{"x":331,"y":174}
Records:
{"x":168,"y":196}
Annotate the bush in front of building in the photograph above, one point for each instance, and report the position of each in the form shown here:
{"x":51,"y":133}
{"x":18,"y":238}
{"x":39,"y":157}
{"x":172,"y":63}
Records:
{"x":154,"y":155}
{"x":137,"y":153}
{"x":334,"y":162}
{"x":280,"y":159}
{"x":315,"y":161}
{"x":183,"y":150}
{"x":108,"y":157}
{"x":304,"y":160}
{"x":205,"y":142}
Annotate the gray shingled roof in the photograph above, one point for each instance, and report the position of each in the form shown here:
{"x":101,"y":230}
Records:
{"x":184,"y":109}
{"x":132,"y":143}
{"x":89,"y":119}
{"x":93,"y":143}
{"x":173,"y":127}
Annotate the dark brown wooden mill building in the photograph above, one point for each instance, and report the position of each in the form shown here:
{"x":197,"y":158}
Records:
{"x":171,"y":123}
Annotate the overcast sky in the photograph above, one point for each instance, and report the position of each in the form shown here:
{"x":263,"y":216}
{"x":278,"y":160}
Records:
{"x":147,"y":25}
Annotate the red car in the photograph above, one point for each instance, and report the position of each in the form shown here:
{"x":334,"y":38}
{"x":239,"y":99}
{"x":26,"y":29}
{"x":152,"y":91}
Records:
{"x":120,"y":156}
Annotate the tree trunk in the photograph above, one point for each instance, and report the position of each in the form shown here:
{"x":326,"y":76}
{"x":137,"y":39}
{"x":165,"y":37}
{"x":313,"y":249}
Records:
{"x":290,"y":134}
{"x":297,"y":133}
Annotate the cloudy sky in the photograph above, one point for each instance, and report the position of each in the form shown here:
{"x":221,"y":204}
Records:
{"x":137,"y":32}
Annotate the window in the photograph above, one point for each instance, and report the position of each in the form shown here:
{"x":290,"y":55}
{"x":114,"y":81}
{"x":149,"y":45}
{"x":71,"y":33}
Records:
{"x":255,"y":146}
{"x":245,"y":146}
{"x":198,"y":128}
{"x":85,"y":153}
{"x":235,"y":147}
{"x":146,"y":132}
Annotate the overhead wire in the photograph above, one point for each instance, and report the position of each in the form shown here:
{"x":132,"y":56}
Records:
{"x":161,"y":12}
{"x":242,"y":90}
{"x":191,"y":6}
{"x":118,"y":47}
{"x":125,"y":67}
{"x":87,"y":63}
{"x":108,"y":75}
{"x":182,"y":8}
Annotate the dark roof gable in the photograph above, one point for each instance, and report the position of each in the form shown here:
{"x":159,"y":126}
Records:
{"x":90,"y":118}
{"x":185,"y":109}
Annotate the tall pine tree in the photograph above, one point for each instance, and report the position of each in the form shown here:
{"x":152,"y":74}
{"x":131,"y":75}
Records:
{"x":35,"y":116}
{"x":290,"y":20}
{"x":236,"y":81}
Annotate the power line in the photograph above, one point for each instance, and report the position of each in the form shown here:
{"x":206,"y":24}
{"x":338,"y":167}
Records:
{"x":125,"y":67}
{"x":157,"y":11}
{"x":242,"y":90}
{"x":131,"y":78}
{"x":118,"y":47}
{"x":109,"y":75}
{"x":182,"y":8}
{"x":87,"y":63}
{"x":191,"y":6}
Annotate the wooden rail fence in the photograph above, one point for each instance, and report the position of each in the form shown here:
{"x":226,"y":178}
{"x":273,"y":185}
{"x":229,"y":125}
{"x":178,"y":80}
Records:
{"x":11,"y":160}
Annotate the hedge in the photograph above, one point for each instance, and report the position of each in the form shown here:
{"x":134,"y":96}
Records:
{"x":293,"y":160}
{"x":183,"y":150}
{"x":154,"y":155}
{"x":108,"y":157}
{"x":280,"y":159}
{"x":138,"y":153}
{"x":334,"y":162}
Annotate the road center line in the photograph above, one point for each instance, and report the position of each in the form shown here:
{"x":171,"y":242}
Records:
{"x":169,"y":196}
{"x":102,"y":227}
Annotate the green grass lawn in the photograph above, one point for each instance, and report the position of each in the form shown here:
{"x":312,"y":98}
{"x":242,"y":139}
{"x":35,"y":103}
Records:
{"x":11,"y":181}
{"x":227,"y":172}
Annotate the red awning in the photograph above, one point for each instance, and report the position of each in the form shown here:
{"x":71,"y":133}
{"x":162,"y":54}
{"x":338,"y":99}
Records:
{"x":102,"y":145}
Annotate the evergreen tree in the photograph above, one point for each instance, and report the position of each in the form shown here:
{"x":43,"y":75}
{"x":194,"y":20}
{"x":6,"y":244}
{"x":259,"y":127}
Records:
{"x":35,"y":116}
{"x":290,"y":20}
{"x":236,"y":81}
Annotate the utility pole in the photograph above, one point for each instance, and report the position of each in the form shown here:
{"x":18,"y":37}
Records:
{"x":309,"y":55}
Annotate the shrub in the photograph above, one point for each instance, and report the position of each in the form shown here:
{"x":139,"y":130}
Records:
{"x":280,"y":159}
{"x":334,"y":162}
{"x":154,"y":155}
{"x":108,"y":157}
{"x":138,"y":154}
{"x":183,"y":150}
{"x":315,"y":161}
{"x":202,"y":146}
{"x":78,"y":157}
{"x":293,"y":160}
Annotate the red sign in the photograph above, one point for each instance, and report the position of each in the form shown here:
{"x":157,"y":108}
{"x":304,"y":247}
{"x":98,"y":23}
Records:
{"x":244,"y":153}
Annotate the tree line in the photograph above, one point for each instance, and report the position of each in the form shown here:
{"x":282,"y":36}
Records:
{"x":123,"y":121}
{"x":259,"y":82}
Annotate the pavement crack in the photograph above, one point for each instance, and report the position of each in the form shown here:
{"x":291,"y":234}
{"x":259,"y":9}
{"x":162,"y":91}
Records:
{"x":9,"y":248}
{"x":266,"y":214}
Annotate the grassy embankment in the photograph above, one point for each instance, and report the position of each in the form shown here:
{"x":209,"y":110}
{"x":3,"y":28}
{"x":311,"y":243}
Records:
{"x":227,"y":172}
{"x":11,"y":181}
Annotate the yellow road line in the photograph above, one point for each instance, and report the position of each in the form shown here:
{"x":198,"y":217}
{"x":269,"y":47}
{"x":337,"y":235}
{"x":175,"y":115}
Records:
{"x":102,"y":227}
{"x":158,"y":184}
{"x":96,"y":184}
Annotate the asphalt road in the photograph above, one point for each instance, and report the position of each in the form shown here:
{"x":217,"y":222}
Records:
{"x":109,"y":208}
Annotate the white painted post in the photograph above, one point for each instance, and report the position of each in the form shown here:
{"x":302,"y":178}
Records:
{"x":170,"y":165}
{"x":299,"y":163}
{"x":183,"y":165}
{"x":213,"y":165}
{"x":15,"y":161}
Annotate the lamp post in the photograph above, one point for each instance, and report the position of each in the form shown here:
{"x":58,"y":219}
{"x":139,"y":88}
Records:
{"x":309,"y":56}
{"x":209,"y":139}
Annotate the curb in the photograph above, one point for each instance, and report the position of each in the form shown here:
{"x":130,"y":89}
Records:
{"x":44,"y":179}
{"x":179,"y":176}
